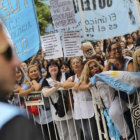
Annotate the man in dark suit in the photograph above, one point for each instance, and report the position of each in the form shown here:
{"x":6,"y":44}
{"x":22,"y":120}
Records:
{"x":13,"y":125}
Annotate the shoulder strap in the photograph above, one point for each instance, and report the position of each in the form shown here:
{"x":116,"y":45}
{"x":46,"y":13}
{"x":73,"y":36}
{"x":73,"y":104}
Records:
{"x":45,"y":83}
{"x":8,"y":112}
{"x":73,"y":78}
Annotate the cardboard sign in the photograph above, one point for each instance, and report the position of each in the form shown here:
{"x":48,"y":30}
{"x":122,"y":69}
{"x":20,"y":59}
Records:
{"x":34,"y":98}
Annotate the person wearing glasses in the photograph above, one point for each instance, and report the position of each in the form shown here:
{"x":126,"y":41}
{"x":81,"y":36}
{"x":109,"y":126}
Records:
{"x":118,"y":62}
{"x":13,"y":125}
{"x":83,"y":106}
{"x":88,"y":50}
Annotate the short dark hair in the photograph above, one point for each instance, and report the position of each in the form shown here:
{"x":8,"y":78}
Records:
{"x":110,"y":45}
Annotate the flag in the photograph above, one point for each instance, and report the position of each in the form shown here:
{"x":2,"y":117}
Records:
{"x":120,"y":80}
{"x":104,"y":19}
{"x":20,"y":20}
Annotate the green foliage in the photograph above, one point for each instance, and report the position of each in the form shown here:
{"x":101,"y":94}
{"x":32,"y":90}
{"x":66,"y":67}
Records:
{"x":43,"y":15}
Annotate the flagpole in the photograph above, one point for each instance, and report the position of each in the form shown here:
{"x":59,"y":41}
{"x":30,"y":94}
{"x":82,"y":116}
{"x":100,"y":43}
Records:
{"x":82,"y":19}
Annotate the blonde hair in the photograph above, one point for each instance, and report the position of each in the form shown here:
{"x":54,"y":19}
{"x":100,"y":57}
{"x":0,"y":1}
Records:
{"x":127,"y":53}
{"x":86,"y":72}
{"x":78,"y":58}
{"x":136,"y":66}
{"x":29,"y":67}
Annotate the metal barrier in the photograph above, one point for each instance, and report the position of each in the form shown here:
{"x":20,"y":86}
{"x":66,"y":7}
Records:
{"x":100,"y":95}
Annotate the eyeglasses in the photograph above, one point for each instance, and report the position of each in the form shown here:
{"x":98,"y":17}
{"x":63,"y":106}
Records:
{"x":7,"y":53}
{"x":93,"y":67}
{"x":117,"y":48}
{"x":88,"y":50}
{"x":75,"y":63}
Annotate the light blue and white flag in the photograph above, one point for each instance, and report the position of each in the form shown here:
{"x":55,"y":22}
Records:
{"x":21,"y":22}
{"x":105,"y":18}
{"x":120,"y":80}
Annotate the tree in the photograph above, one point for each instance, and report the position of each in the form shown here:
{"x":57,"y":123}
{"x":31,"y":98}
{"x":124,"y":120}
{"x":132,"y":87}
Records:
{"x":43,"y":15}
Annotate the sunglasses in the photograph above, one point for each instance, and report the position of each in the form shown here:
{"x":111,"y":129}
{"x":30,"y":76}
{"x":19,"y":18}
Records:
{"x":7,"y":53}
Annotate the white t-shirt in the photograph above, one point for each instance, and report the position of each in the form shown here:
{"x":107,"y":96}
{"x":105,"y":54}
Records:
{"x":54,"y":97}
{"x":83,"y":106}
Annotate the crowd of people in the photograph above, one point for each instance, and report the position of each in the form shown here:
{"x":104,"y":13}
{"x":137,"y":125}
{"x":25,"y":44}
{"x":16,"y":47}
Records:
{"x":48,"y":76}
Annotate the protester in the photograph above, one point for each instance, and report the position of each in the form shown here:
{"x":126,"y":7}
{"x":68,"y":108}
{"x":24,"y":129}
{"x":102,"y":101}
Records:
{"x":117,"y":61}
{"x":88,"y":50}
{"x":83,"y":106}
{"x":123,"y":45}
{"x":12,"y":121}
{"x":51,"y":84}
{"x":123,"y":63}
{"x":39,"y":112}
{"x":24,"y":66}
{"x":44,"y":68}
{"x":136,"y":59}
{"x":130,"y":45}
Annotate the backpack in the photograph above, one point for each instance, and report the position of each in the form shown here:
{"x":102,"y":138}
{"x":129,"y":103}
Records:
{"x":61,"y":106}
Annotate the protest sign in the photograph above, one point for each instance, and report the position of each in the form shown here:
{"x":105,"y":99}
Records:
{"x":104,"y":18}
{"x":63,"y":14}
{"x":72,"y":43}
{"x":34,"y":98}
{"x":20,"y":20}
{"x":51,"y":45}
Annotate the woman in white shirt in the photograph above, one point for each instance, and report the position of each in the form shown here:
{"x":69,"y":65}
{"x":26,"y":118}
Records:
{"x":83,"y":106}
{"x":51,"y":84}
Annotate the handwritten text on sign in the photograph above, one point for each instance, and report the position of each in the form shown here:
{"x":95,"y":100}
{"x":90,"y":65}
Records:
{"x":63,"y":14}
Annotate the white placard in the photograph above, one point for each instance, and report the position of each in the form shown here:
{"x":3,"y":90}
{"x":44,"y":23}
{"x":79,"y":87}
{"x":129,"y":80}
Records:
{"x":72,"y":43}
{"x":51,"y":45}
{"x":63,"y":14}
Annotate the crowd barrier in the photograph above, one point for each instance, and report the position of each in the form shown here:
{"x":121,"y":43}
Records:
{"x":104,"y":133}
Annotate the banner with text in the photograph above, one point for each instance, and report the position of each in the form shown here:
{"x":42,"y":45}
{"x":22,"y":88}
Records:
{"x":21,"y":22}
{"x":62,"y":12}
{"x":72,"y":43}
{"x":51,"y":45}
{"x":105,"y":18}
